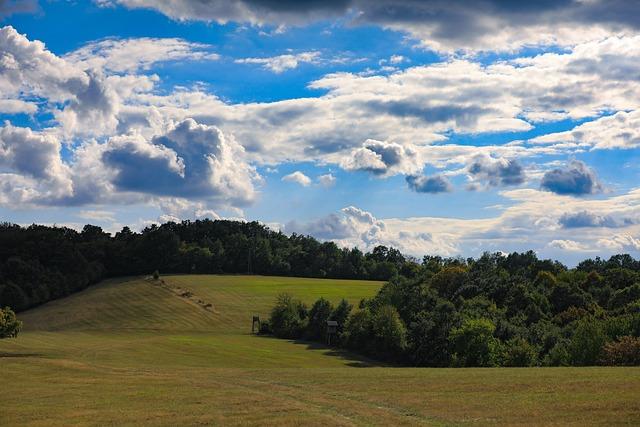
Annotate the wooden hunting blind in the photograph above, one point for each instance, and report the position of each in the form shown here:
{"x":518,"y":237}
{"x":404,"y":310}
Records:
{"x":332,"y":330}
{"x":256,"y":319}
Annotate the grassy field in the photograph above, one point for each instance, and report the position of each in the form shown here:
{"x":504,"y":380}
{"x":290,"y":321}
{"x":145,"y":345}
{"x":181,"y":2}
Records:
{"x":132,"y":352}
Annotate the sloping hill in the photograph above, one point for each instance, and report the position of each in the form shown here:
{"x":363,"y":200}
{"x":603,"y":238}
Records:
{"x":203,"y":303}
{"x":120,"y":305}
{"x":180,"y":320}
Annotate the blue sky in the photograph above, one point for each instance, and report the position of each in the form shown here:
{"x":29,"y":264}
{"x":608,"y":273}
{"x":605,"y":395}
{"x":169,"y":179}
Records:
{"x":438,"y":128}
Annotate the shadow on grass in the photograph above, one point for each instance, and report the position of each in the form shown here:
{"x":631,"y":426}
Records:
{"x":8,"y":355}
{"x":351,"y":359}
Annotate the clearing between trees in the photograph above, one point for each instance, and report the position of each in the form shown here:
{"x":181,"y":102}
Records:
{"x":129,"y":351}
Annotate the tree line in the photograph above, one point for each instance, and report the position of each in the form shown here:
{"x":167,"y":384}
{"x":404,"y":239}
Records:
{"x":497,"y":310}
{"x":39,"y":263}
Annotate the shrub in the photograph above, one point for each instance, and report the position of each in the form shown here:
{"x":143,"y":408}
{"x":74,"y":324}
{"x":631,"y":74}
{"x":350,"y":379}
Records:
{"x":558,"y":355}
{"x":358,"y":329}
{"x":156,"y":275}
{"x":518,"y":352}
{"x":587,"y":341}
{"x":341,"y":314}
{"x":10,"y":326}
{"x":265,"y":329}
{"x":318,"y":316}
{"x":288,"y":317}
{"x":389,"y":332}
{"x":624,"y":352}
{"x":474,"y":344}
{"x":378,"y":331}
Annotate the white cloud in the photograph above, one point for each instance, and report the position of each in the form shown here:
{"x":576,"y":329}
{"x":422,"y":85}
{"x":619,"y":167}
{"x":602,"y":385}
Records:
{"x":417,"y":108}
{"x":327,"y":180}
{"x":178,"y":144}
{"x":131,"y":55}
{"x":383,"y":158}
{"x":30,"y":167}
{"x":97,"y":215}
{"x":179,"y":209}
{"x":446,"y":26}
{"x":618,"y":131}
{"x":281,"y":63}
{"x":189,"y":160}
{"x":297,"y":177}
{"x":28,"y":68}
{"x":15,"y":106}
{"x":568,"y":245}
{"x":530,"y":221}
{"x":621,"y":242}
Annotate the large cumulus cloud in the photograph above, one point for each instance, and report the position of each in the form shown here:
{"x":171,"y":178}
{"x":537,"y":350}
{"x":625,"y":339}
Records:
{"x":189,"y":160}
{"x":82,"y":101}
{"x":351,"y":222}
{"x":31,"y":170}
{"x":443,"y":25}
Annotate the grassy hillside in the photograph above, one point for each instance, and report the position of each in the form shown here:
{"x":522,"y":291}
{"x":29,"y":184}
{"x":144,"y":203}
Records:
{"x":148,"y":305}
{"x":135,"y":352}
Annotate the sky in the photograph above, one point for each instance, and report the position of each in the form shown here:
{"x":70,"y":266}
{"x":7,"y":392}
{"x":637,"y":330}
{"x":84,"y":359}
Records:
{"x":438,"y":127}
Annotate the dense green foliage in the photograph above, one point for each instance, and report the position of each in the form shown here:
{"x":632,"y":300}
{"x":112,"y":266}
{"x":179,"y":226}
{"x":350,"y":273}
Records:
{"x":497,"y":310}
{"x":40,"y":263}
{"x":10,"y":326}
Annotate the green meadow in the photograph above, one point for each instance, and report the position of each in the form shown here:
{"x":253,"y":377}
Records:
{"x":181,"y":352}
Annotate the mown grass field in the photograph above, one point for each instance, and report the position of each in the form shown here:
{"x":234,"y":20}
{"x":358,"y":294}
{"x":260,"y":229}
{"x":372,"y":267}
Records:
{"x":130,"y":352}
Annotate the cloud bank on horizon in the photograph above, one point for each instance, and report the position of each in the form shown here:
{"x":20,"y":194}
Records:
{"x":437,"y":127}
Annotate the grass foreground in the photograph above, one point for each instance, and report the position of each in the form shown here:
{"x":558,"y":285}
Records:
{"x":135,"y":352}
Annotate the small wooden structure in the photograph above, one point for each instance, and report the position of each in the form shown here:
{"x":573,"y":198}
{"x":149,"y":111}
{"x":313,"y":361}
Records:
{"x":256,"y":319}
{"x":332,"y":330}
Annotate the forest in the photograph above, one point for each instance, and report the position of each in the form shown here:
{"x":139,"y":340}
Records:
{"x":497,"y":310}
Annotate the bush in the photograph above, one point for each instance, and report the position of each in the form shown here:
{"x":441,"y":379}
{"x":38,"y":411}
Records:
{"x":474,"y":344}
{"x":288,"y":317}
{"x":378,"y":331}
{"x":518,"y":352}
{"x":558,"y":355}
{"x":156,"y":275}
{"x":390,"y":334}
{"x":265,"y":329}
{"x":341,"y":314}
{"x":587,"y":342}
{"x":358,"y":329}
{"x":10,"y":326}
{"x":318,"y":316}
{"x":625,"y":352}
